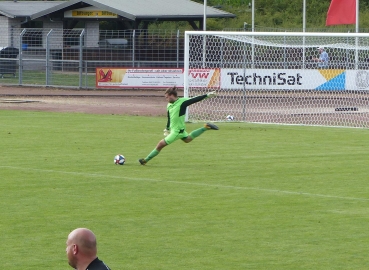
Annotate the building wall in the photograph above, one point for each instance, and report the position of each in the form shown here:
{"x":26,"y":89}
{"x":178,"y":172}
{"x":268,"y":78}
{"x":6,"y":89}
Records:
{"x":11,"y":29}
{"x":92,"y":33}
{"x":57,"y":33}
{"x":5,"y":30}
{"x":9,"y":33}
{"x":14,"y":30}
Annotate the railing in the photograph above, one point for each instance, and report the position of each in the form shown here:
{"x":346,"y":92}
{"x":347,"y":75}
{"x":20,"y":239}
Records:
{"x":57,"y":57}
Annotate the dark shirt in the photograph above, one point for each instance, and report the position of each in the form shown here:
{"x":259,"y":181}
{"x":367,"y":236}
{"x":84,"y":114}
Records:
{"x":97,"y":265}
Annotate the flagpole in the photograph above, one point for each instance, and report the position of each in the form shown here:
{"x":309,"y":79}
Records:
{"x":253,"y":16}
{"x":357,"y":39}
{"x":303,"y":30}
{"x":253,"y":30}
{"x":304,"y":17}
{"x":204,"y":37}
{"x":357,"y":16}
{"x":204,"y":21}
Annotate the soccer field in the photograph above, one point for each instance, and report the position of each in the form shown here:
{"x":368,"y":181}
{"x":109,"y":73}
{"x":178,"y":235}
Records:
{"x":245,"y":197}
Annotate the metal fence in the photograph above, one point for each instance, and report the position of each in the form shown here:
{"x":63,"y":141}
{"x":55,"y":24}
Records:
{"x":57,"y":57}
{"x":69,"y":58}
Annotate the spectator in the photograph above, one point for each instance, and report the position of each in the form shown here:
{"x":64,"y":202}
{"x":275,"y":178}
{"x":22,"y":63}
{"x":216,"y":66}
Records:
{"x":82,"y":251}
{"x":323,"y":58}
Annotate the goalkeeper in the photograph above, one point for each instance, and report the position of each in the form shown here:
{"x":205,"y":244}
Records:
{"x":175,"y":129}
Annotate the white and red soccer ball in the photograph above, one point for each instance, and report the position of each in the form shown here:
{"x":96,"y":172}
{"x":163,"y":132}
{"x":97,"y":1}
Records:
{"x":119,"y":160}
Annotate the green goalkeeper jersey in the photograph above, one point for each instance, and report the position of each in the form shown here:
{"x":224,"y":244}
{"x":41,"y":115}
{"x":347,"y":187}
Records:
{"x":176,"y":112}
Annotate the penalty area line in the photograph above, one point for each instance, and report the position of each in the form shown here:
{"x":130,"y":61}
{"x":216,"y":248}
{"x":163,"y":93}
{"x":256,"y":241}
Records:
{"x":295,"y":193}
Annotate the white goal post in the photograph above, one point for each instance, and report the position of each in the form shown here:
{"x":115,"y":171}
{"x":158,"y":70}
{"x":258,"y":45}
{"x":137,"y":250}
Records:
{"x":279,"y":77}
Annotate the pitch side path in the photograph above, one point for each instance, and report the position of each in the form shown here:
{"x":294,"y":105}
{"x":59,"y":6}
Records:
{"x":52,"y":91}
{"x":150,"y":102}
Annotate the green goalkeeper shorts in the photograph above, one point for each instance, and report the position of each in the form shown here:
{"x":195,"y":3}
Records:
{"x":175,"y":135}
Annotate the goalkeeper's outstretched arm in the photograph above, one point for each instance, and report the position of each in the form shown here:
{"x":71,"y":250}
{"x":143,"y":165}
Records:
{"x":194,"y":100}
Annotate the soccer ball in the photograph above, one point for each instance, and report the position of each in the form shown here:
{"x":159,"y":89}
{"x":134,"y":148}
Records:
{"x":119,"y":160}
{"x":230,"y":117}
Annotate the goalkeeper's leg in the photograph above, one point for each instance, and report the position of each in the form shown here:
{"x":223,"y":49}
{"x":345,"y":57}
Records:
{"x":153,"y":153}
{"x":197,"y":132}
{"x":172,"y":137}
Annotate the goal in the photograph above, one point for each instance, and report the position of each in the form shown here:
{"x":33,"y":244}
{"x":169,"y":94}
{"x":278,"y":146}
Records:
{"x":279,"y":77}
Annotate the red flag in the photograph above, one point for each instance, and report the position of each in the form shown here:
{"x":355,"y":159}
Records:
{"x":341,"y":12}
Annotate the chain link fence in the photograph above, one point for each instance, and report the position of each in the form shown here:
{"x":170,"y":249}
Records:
{"x":69,"y":58}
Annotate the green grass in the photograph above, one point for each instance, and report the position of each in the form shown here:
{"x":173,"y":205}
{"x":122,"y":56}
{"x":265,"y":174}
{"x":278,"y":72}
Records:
{"x":244,"y":197}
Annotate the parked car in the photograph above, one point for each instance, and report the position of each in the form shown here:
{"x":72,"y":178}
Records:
{"x":118,"y":43}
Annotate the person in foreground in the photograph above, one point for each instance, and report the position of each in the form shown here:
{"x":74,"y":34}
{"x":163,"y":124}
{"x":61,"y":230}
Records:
{"x":176,"y":129}
{"x":82,"y":251}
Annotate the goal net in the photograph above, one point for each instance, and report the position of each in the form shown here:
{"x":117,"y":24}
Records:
{"x":279,"y":78}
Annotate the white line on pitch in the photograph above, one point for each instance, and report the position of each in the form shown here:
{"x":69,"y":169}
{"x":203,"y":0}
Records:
{"x":194,"y":184}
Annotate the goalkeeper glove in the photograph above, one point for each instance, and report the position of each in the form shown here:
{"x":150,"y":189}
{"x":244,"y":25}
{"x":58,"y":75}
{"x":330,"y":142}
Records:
{"x":166,"y":132}
{"x":211,"y":94}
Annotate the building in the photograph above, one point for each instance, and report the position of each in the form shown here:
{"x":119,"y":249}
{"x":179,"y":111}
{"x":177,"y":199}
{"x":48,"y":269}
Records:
{"x":87,"y":14}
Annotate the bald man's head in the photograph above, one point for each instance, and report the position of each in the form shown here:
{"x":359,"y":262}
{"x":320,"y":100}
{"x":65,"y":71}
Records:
{"x":85,"y":239}
{"x":81,"y":246}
